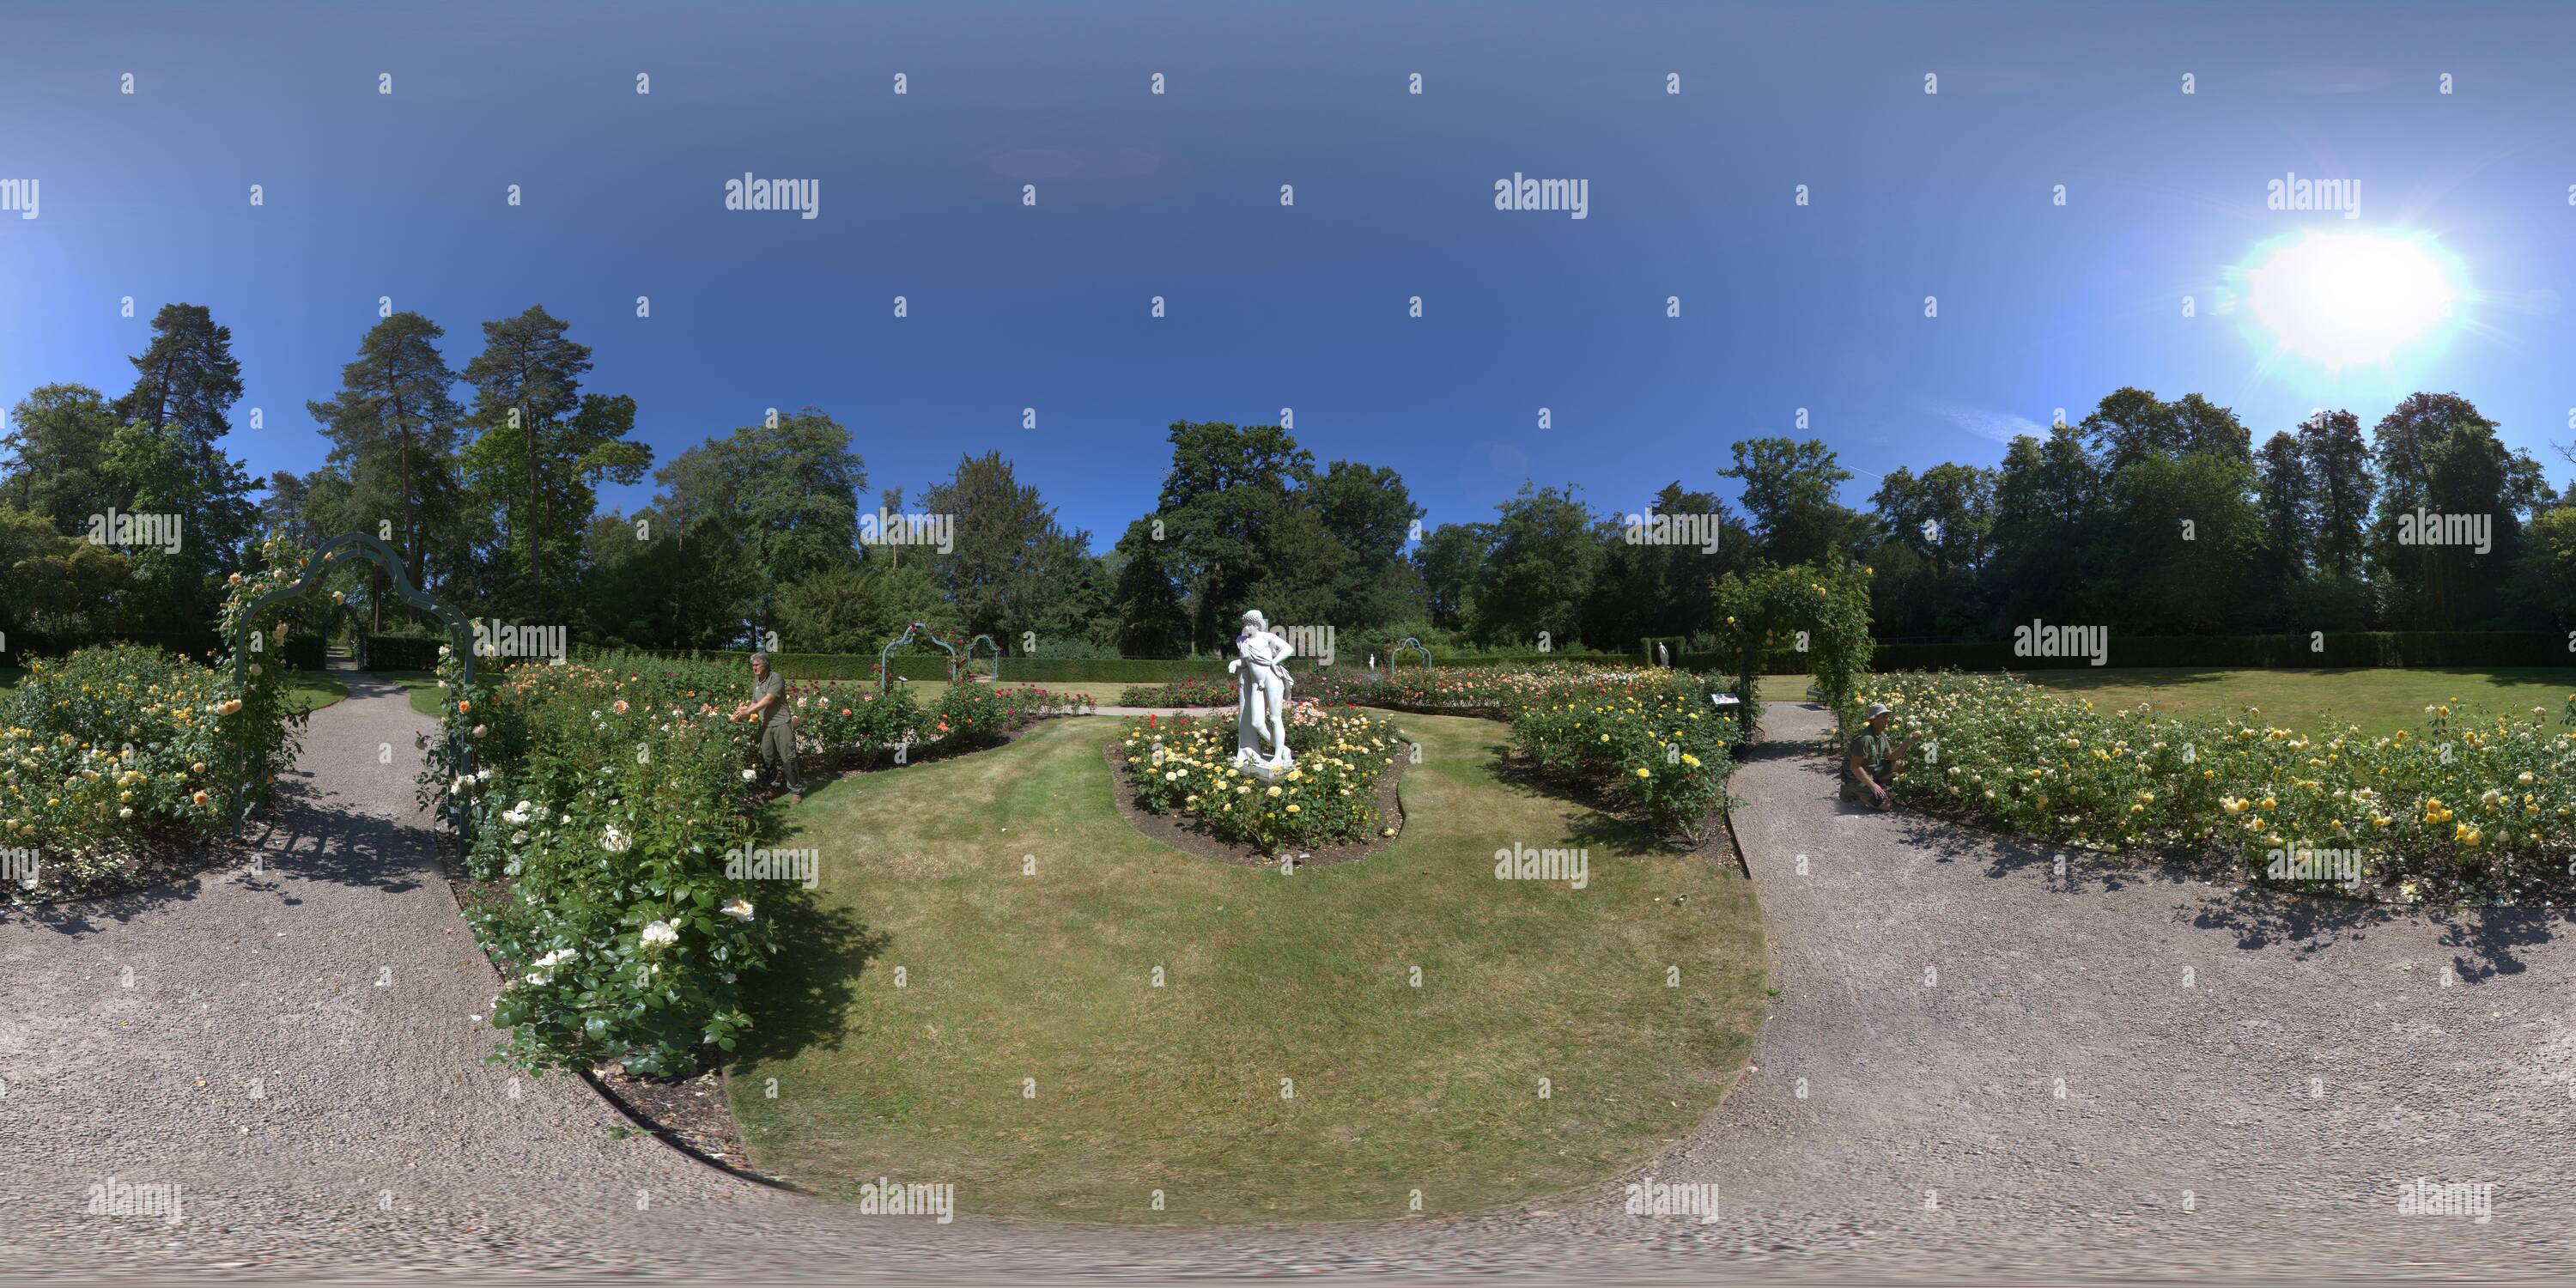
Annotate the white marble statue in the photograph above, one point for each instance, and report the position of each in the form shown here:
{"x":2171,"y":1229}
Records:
{"x":1663,"y":656}
{"x":1262,"y":683}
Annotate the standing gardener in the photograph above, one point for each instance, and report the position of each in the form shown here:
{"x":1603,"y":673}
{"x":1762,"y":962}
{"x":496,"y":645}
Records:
{"x":1870,"y":762}
{"x":778,"y":724}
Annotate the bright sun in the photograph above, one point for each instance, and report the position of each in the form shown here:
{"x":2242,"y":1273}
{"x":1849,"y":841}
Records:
{"x":2350,"y":299}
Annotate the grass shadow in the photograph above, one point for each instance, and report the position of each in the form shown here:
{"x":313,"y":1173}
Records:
{"x":2086,"y":679}
{"x":804,"y":997}
{"x":1600,"y":818}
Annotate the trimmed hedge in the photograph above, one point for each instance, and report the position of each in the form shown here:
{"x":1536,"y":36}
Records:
{"x":305,"y":652}
{"x":1078,"y":670}
{"x":301,"y":652}
{"x":203,"y":646}
{"x":399,"y":653}
{"x":2255,"y":652}
{"x":2351,"y":649}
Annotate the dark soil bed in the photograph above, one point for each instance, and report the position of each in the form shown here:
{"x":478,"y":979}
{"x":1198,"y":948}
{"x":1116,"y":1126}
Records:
{"x":692,"y":1113}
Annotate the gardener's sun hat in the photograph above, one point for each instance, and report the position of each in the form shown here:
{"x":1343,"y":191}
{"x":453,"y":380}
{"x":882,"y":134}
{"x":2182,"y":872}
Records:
{"x":1876,"y":709}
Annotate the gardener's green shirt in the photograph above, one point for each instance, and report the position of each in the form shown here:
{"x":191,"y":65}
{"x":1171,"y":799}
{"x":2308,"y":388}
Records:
{"x":1871,"y":749}
{"x":761,"y":688}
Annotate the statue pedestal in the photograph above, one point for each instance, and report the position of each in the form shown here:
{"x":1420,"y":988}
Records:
{"x":1262,"y":770}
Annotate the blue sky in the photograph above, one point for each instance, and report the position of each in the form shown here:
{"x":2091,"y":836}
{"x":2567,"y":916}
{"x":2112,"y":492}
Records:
{"x":1783,"y":307}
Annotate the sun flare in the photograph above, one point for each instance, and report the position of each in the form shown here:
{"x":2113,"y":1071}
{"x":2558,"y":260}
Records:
{"x":2352,"y":299}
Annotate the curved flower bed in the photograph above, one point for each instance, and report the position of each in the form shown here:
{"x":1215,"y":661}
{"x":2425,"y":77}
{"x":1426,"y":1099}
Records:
{"x":855,"y":719}
{"x":104,"y":750}
{"x":606,"y":795}
{"x":1184,"y":766}
{"x":1658,"y":747}
{"x":2475,"y":805}
{"x":1650,"y":739}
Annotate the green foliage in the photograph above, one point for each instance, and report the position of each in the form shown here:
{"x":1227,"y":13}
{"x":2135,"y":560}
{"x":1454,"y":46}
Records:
{"x":1770,"y":610}
{"x":394,"y":429}
{"x":1216,"y":690}
{"x":856,"y":720}
{"x":787,"y":492}
{"x":185,"y":381}
{"x":112,"y":746}
{"x":1446,"y":562}
{"x":1369,"y":515}
{"x":1013,"y":568}
{"x":58,"y":585}
{"x":1789,"y":490}
{"x":1644,"y":589}
{"x":856,"y":610}
{"x":2329,"y":649}
{"x":542,"y":449}
{"x":1936,"y":531}
{"x":2545,"y":585}
{"x":1546,"y":555}
{"x":264,"y":732}
{"x":1244,"y":520}
{"x":968,"y":716}
{"x":57,"y":450}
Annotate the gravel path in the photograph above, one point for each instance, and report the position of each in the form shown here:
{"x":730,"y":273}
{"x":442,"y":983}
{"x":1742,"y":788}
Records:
{"x":1931,"y":1139}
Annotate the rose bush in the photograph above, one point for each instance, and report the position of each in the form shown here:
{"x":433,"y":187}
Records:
{"x":109,"y":748}
{"x":852,"y":720}
{"x":1653,"y":741}
{"x":2473,"y":805}
{"x":603,"y":797}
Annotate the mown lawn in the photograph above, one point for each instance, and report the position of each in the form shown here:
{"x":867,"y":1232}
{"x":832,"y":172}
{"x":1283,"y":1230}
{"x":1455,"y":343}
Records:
{"x":420,"y":688}
{"x":2381,"y":700}
{"x":314,"y":690}
{"x":1287,"y":1068}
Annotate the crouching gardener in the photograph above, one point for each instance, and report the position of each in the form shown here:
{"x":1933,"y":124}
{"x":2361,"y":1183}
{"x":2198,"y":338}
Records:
{"x":1871,"y":762}
{"x":777,"y":724}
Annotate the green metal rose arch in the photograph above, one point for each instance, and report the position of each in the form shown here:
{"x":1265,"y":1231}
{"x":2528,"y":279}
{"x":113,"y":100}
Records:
{"x":885,"y":673}
{"x":384,"y":558}
{"x":1820,"y":610}
{"x":987,"y":642}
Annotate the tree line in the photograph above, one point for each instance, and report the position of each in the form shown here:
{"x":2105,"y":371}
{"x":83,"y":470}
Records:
{"x":2150,"y":516}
